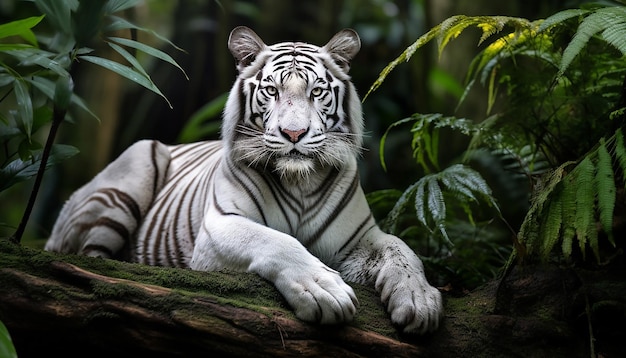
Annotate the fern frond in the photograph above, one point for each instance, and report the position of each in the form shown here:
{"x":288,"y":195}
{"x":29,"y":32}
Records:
{"x":448,"y":30}
{"x":620,"y":152}
{"x":420,"y":207}
{"x":560,"y":17}
{"x":383,"y":139}
{"x":568,"y":214}
{"x":391,"y":221}
{"x":551,"y":225}
{"x":610,"y":20}
{"x":437,"y":208}
{"x":605,"y":184}
{"x":585,"y":195}
{"x":615,"y":32}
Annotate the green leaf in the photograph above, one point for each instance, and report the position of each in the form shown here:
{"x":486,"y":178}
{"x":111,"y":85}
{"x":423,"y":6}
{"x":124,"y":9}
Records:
{"x":568,"y":213}
{"x":620,"y":152}
{"x":21,"y":28}
{"x":195,"y":128}
{"x":58,"y":13}
{"x":148,"y":50}
{"x":559,"y":17}
{"x":391,"y":221}
{"x":19,"y":170}
{"x":585,"y":195}
{"x":437,"y":207}
{"x":24,"y":106}
{"x":126,"y":72}
{"x":605,"y":184}
{"x":611,"y":20}
{"x":383,"y":139}
{"x":551,"y":225}
{"x":47,"y":87}
{"x":121,"y":24}
{"x":113,"y":6}
{"x":131,"y":59}
{"x":31,"y":56}
{"x":7,"y":349}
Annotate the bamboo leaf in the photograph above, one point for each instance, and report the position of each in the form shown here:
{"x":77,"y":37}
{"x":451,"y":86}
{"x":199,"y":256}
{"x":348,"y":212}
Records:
{"x":113,"y":6}
{"x":19,"y":170}
{"x":21,"y":28}
{"x":47,"y":88}
{"x":127,"y":72}
{"x":131,"y":59}
{"x":605,"y":184}
{"x":119,"y":23}
{"x":149,"y":50}
{"x":24,"y":106}
{"x":58,"y":13}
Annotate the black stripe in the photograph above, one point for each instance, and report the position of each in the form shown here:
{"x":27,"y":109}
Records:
{"x":338,"y":208}
{"x":354,"y":236}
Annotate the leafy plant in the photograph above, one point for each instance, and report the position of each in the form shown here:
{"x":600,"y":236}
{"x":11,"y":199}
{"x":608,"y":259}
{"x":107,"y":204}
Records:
{"x":36,"y":86}
{"x":559,"y":115}
{"x":6,"y":344}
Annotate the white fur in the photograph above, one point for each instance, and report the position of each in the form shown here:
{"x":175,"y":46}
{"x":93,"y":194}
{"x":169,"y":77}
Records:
{"x":248,"y":203}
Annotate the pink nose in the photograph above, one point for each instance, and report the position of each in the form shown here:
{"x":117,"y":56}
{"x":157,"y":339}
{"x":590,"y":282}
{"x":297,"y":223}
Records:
{"x":293,"y":136}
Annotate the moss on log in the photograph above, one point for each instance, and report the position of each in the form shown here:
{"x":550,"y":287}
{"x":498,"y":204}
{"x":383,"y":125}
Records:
{"x":78,"y":306}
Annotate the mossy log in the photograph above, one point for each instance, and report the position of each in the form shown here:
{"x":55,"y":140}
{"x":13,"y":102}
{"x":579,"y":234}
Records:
{"x":78,"y":306}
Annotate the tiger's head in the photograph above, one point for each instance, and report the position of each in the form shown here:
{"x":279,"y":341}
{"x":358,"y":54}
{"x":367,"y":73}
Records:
{"x":293,"y":108}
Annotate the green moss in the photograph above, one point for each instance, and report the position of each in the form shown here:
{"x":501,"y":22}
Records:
{"x":237,"y":289}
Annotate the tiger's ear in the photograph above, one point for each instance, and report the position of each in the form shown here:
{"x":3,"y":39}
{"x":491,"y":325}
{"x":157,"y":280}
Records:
{"x":343,"y":47}
{"x":244,"y":44}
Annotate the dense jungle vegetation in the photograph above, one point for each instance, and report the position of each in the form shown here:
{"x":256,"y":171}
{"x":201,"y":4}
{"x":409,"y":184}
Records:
{"x":493,"y":140}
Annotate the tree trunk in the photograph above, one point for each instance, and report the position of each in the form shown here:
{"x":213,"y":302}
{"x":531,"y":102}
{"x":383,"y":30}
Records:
{"x":79,"y":306}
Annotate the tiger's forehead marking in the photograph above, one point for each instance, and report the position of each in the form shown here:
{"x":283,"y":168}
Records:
{"x":294,"y":60}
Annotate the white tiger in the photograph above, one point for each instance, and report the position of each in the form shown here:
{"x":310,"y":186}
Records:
{"x":279,"y":195}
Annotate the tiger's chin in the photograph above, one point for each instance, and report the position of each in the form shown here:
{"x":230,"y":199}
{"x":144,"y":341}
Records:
{"x":294,"y":169}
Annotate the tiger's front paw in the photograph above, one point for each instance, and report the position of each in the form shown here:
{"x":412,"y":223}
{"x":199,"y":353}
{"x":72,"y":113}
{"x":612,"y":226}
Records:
{"x":414,"y":305}
{"x":318,"y":295}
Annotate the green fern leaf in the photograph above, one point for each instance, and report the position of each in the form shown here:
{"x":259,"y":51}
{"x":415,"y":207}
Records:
{"x":437,"y":208}
{"x":391,"y":221}
{"x":615,"y":32}
{"x":610,"y":20}
{"x":448,"y":30}
{"x":529,"y":230}
{"x":551,"y":225}
{"x":605,"y":184}
{"x":456,"y":185}
{"x":620,"y":152}
{"x":585,"y":195}
{"x":383,"y":139}
{"x":568,"y":213}
{"x":420,"y":208}
{"x":561,"y":16}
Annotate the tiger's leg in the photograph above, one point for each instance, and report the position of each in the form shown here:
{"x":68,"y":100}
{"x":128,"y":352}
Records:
{"x":101,"y":217}
{"x":398,"y":275}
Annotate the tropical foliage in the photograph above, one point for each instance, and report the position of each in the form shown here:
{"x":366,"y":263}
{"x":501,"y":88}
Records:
{"x":36,"y":86}
{"x":555,"y":113}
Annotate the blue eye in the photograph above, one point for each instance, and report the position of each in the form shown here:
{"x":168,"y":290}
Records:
{"x":316,"y":91}
{"x":271,"y":90}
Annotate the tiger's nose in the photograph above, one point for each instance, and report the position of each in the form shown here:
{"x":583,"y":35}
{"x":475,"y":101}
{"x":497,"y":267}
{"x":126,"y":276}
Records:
{"x":293,"y":136}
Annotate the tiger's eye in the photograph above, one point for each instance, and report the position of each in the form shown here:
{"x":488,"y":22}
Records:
{"x":271,"y":90}
{"x":316,"y":91}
